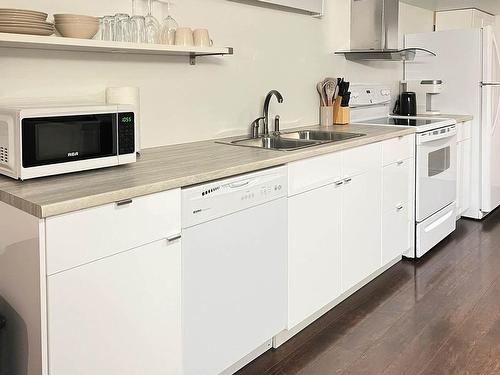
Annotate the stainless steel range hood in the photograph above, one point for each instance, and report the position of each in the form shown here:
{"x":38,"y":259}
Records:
{"x":375,"y":32}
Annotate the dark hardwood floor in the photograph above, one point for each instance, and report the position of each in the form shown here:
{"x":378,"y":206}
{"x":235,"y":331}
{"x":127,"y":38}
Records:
{"x":437,"y":315}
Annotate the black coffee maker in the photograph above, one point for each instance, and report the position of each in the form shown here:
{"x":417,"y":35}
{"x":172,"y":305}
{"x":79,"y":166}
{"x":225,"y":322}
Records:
{"x":406,"y":104}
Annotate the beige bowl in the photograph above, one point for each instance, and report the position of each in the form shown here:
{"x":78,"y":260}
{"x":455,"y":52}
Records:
{"x":81,"y":30}
{"x":74,"y":16}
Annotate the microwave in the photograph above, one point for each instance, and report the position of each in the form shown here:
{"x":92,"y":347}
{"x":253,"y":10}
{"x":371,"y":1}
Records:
{"x":45,"y":141}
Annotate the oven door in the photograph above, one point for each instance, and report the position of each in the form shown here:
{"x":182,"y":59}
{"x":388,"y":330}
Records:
{"x":436,"y":171}
{"x":55,"y":140}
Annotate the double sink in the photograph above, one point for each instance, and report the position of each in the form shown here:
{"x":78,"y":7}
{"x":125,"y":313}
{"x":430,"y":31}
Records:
{"x":295,"y":140}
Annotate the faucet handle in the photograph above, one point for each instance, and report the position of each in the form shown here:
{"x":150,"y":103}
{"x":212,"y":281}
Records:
{"x":277,"y":124}
{"x":255,"y":127}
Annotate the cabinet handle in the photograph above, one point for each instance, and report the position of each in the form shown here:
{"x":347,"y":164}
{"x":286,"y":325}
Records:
{"x":347,"y":180}
{"x":174,"y":238}
{"x":338,"y":183}
{"x":399,"y":207}
{"x":399,"y":162}
{"x":123,"y":203}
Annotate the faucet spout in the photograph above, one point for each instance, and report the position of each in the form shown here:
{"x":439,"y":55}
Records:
{"x":269,"y":96}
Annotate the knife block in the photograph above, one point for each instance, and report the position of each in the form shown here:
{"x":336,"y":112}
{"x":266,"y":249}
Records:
{"x":341,"y":115}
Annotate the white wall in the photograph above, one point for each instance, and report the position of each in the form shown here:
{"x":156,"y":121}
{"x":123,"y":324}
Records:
{"x":219,"y":96}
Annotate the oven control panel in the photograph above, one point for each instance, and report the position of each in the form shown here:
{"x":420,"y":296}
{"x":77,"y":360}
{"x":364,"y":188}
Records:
{"x":369,"y":95}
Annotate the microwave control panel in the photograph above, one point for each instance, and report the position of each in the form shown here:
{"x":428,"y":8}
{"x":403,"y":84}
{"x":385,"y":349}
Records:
{"x":126,"y":133}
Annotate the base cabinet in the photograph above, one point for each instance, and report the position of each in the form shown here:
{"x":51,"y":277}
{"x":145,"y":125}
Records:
{"x":314,"y":232}
{"x":349,"y":215}
{"x":118,"y":315}
{"x":361,"y":231}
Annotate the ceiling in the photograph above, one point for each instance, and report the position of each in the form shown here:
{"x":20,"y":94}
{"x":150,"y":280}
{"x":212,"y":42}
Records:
{"x":490,"y":6}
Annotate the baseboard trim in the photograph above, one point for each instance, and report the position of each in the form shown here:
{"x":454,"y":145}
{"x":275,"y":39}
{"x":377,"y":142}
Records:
{"x":287,"y":334}
{"x":248,"y":358}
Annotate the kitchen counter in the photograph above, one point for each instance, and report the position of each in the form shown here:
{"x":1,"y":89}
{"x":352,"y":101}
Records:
{"x":163,"y":168}
{"x":458,"y":118}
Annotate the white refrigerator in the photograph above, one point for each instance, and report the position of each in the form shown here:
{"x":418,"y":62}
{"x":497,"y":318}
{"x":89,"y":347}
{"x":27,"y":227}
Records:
{"x":468,"y":62}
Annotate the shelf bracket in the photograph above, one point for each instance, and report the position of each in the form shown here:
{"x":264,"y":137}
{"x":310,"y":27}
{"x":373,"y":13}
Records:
{"x":193,"y":56}
{"x":192,"y":59}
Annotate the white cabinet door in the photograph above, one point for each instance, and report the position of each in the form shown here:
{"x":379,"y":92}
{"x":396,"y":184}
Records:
{"x":119,"y":315}
{"x":314,"y":223}
{"x":361,"y":228}
{"x":397,"y":191}
{"x":396,"y":232}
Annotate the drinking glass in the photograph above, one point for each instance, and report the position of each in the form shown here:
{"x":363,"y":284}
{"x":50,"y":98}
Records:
{"x":108,"y":28}
{"x":99,"y":36}
{"x":138,"y":29}
{"x":122,"y":27}
{"x":169,"y":26}
{"x":152,"y":25}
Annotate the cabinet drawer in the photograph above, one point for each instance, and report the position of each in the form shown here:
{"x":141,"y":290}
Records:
{"x":84,"y":236}
{"x":397,"y":185}
{"x":361,"y":159}
{"x":398,"y":148}
{"x":304,"y":175}
{"x":395,"y":233}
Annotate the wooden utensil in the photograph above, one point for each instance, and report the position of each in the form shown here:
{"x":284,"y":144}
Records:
{"x":321,"y":93}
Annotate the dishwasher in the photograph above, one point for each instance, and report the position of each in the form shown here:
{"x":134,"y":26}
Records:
{"x":234,"y":266}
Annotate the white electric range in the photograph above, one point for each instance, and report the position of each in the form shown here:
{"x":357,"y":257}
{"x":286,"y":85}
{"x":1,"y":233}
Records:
{"x":435,"y":163}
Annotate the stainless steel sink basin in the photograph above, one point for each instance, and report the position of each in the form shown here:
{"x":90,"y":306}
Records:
{"x":321,"y":135}
{"x":275,"y":143}
{"x":294,"y":140}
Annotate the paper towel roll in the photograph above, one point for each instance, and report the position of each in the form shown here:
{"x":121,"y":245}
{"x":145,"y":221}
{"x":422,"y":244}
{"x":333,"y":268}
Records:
{"x":130,"y":96}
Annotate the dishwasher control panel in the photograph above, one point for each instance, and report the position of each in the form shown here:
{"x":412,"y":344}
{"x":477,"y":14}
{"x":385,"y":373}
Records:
{"x":209,"y":201}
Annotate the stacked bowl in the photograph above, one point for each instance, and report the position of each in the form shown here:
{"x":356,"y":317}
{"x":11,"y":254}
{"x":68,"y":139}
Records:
{"x":76,"y":26}
{"x":23,"y":21}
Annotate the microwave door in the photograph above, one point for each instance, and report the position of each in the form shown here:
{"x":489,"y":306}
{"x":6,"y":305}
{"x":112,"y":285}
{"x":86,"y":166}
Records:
{"x":66,"y":139}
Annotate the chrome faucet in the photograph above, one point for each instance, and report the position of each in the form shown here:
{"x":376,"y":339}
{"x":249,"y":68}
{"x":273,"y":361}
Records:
{"x":266,"y":108}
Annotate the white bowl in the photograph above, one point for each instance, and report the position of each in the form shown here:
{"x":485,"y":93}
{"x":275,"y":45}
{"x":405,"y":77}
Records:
{"x":80,"y":30}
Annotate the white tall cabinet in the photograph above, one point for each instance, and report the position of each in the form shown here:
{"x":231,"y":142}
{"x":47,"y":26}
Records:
{"x":463,"y":19}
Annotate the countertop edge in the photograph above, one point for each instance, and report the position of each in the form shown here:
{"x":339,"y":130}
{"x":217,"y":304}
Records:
{"x":48,"y":210}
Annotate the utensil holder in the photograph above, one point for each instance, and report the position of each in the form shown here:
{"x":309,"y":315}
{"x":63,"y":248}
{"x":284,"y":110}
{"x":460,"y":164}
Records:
{"x":326,"y":116}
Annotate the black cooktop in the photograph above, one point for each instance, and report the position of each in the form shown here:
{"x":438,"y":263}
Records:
{"x":400,"y":121}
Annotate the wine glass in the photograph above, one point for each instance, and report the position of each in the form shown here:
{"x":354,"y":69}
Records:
{"x":152,"y":25}
{"x":169,"y":26}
